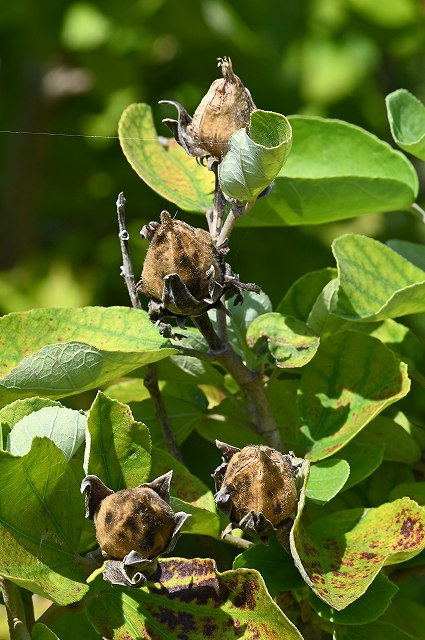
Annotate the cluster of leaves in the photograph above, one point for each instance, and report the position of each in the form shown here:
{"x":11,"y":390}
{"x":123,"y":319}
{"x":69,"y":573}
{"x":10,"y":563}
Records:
{"x":336,"y":359}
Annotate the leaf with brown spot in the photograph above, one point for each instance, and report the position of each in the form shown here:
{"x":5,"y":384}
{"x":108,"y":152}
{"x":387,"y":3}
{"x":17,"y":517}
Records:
{"x":190,"y":599}
{"x":340,"y":554}
{"x":352,"y":378}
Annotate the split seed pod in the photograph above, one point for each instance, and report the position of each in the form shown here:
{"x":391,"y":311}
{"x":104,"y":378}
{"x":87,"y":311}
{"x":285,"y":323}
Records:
{"x":223,"y":110}
{"x":256,"y":488}
{"x":184,"y":273}
{"x":133,"y":526}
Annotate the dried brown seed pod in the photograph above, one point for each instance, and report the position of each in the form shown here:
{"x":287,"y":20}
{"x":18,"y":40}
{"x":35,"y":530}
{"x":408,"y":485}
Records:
{"x":184,"y":272}
{"x":256,"y":488}
{"x":225,"y":108}
{"x":133,"y":526}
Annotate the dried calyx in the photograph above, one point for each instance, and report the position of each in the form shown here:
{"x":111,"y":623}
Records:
{"x":256,"y":489}
{"x":133,"y":526}
{"x":184,"y":273}
{"x":223,"y":110}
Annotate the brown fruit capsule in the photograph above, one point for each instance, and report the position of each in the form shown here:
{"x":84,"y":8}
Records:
{"x":134,"y":519}
{"x":178,"y":249}
{"x":223,"y":110}
{"x":133,"y":526}
{"x":257,"y":487}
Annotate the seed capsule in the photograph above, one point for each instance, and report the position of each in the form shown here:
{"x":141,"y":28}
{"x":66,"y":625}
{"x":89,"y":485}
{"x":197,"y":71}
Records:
{"x":257,"y":488}
{"x":133,"y":526}
{"x":223,"y":110}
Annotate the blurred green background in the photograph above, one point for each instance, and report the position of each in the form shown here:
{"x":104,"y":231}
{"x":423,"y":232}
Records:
{"x":72,"y":67}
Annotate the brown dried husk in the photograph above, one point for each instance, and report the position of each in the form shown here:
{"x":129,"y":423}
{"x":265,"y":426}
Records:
{"x":223,"y":110}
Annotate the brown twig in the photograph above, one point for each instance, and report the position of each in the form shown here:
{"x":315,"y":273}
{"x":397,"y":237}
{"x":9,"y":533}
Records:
{"x":15,"y":610}
{"x":151,"y":384}
{"x":249,"y":381}
{"x":151,"y":378}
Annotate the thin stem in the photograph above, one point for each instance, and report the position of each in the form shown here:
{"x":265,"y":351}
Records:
{"x":249,"y":381}
{"x":215,"y":221}
{"x":126,"y":268}
{"x":151,"y":384}
{"x":240,"y":543}
{"x":151,"y":378}
{"x":417,"y":211}
{"x":15,"y":610}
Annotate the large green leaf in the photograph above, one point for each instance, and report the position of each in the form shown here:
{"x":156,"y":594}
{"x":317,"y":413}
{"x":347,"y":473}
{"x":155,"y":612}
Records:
{"x":375,"y":282}
{"x":41,"y":632}
{"x":406,"y":115}
{"x":367,"y":608}
{"x":290,"y":341}
{"x":189,"y":598}
{"x":340,"y":555}
{"x":41,"y":520}
{"x":326,"y":479}
{"x":162,"y":163}
{"x":60,"y":352}
{"x":394,"y":436}
{"x":118,"y":448}
{"x":64,"y":426}
{"x":335,"y":170}
{"x":352,"y":378}
{"x":255,"y":156}
{"x":364,"y":457}
{"x":298,"y":301}
{"x":14,"y":412}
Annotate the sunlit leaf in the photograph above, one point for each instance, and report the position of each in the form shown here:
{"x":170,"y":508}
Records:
{"x":406,"y":115}
{"x":189,"y":598}
{"x":326,"y":479}
{"x":290,"y":342}
{"x":367,"y":608}
{"x":162,"y":163}
{"x":340,"y":555}
{"x":335,"y":170}
{"x":60,"y":352}
{"x":352,"y":378}
{"x":375,"y":282}
{"x":118,"y":448}
{"x":64,"y":426}
{"x":255,"y":156}
{"x":41,"y":519}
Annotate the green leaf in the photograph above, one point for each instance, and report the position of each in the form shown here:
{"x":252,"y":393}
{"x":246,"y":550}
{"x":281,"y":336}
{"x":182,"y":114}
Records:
{"x":73,"y":623}
{"x":255,"y":156}
{"x":350,"y":381}
{"x":352,"y":171}
{"x":406,"y":115}
{"x":340,"y":554}
{"x":362,"y":456}
{"x":228,"y":420}
{"x":378,"y":630}
{"x":394,"y":436}
{"x":406,"y":614}
{"x":162,"y":163}
{"x":60,"y":352}
{"x":369,"y":607}
{"x":14,"y":412}
{"x":41,"y":520}
{"x":375,"y":282}
{"x":189,"y":598}
{"x":301,"y":296}
{"x":291,"y":342}
{"x":326,"y":479}
{"x":41,"y":632}
{"x":414,"y":253}
{"x":275,"y":565}
{"x":184,"y":417}
{"x":414,"y":490}
{"x":64,"y":426}
{"x":188,"y":494}
{"x":118,"y":448}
